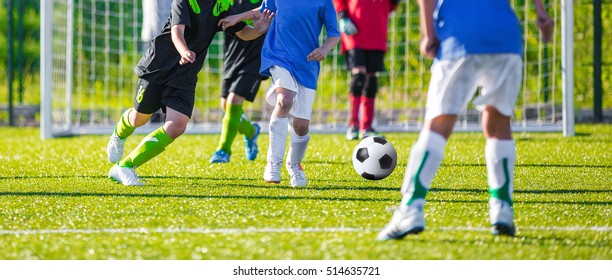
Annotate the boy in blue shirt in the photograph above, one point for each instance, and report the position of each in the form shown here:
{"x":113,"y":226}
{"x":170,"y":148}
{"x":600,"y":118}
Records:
{"x":291,"y":56}
{"x":475,"y":44}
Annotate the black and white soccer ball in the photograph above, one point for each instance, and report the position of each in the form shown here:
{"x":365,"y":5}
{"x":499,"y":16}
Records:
{"x":374,"y":158}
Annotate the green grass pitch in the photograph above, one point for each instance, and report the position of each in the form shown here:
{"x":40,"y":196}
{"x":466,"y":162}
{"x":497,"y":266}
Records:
{"x":57,"y":203}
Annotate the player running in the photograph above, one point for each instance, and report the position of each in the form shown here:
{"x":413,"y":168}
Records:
{"x":241,"y":81}
{"x":168,"y":76}
{"x":291,"y":55}
{"x":476,"y":44}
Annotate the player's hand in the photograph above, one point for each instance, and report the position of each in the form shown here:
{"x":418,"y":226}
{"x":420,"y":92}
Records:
{"x":347,"y":26}
{"x":318,"y":54}
{"x":547,"y":26}
{"x":429,"y":46}
{"x":187,"y":57}
{"x":229,"y":21}
{"x":262,"y":22}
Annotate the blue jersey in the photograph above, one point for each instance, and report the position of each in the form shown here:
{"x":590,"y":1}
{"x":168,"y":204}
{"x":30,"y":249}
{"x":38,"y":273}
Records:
{"x":467,"y":27}
{"x":294,"y":33}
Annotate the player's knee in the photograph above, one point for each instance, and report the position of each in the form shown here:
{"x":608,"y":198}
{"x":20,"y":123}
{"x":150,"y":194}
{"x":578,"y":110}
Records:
{"x":174,"y":130}
{"x":357,"y":83}
{"x":371,"y":86}
{"x":176,"y":126}
{"x":300,"y":126}
{"x":138,"y":119}
{"x":285,"y":99}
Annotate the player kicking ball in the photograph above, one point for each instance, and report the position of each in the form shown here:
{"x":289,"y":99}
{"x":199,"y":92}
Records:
{"x":291,"y":55}
{"x":168,"y":76}
{"x":475,"y":45}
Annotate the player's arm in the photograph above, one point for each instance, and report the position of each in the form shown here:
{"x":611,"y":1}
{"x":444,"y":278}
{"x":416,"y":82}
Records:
{"x":321,"y":52}
{"x":429,"y":41}
{"x":545,"y":23}
{"x":260,"y":26}
{"x":230,"y":21}
{"x":333,"y":34}
{"x":178,"y":39}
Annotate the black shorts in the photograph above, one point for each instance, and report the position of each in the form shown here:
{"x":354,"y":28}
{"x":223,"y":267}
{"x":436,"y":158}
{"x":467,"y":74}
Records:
{"x":373,"y":61}
{"x":151,"y":97}
{"x":246,"y":86}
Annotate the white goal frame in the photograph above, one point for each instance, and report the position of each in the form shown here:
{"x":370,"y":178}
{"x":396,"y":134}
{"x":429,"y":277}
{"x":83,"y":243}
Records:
{"x":56,"y":121}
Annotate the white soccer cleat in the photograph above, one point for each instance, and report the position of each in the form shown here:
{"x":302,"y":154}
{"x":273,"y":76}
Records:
{"x":296,"y":175}
{"x":272,"y":172}
{"x":405,"y":220}
{"x":114,"y":149}
{"x":124,"y":175}
{"x":502,"y":217}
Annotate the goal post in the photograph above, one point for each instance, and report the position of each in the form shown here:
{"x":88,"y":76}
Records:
{"x":567,"y":65}
{"x":90,"y":47}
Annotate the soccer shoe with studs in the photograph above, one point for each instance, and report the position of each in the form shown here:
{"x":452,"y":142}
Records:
{"x":272,"y":172}
{"x":250,"y":144}
{"x":220,"y":156}
{"x":124,"y":175}
{"x":352,"y":133}
{"x":114,"y":149}
{"x":501,"y":217}
{"x":297,"y":178}
{"x":405,"y":220}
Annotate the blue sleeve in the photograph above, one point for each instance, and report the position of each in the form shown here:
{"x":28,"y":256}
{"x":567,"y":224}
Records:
{"x":268,"y":4}
{"x":330,"y":20}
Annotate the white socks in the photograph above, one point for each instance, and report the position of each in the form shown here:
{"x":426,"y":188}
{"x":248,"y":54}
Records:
{"x":500,"y":156}
{"x":297,"y":148}
{"x":425,"y":158}
{"x":278,"y":138}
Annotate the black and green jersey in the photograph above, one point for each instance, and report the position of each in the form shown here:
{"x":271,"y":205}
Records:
{"x":242,"y":57}
{"x":160,"y":63}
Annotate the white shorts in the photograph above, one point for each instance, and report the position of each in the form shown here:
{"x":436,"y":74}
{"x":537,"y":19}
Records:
{"x":454,"y":83}
{"x":303,"y":98}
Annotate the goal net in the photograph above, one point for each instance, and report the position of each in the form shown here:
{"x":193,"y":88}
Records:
{"x":90,"y":47}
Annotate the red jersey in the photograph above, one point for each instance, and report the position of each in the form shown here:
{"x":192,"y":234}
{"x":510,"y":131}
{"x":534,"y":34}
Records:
{"x":371,"y":18}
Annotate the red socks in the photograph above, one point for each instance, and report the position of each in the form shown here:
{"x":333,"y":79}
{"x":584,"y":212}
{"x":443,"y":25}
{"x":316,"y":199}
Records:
{"x":368,"y":112}
{"x":354,"y":118}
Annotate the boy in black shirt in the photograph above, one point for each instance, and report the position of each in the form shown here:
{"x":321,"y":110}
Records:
{"x":168,"y":76}
{"x":241,"y":81}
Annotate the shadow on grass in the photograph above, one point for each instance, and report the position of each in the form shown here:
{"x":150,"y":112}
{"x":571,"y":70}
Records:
{"x":605,"y":203}
{"x":544,"y":165}
{"x":485,"y":190}
{"x":149,"y":195}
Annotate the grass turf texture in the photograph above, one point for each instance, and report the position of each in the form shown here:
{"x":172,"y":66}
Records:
{"x":56,"y":202}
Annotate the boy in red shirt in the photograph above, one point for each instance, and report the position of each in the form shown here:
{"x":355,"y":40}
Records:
{"x":363,"y":24}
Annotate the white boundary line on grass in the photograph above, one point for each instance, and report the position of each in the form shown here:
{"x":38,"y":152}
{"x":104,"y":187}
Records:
{"x":270,"y":230}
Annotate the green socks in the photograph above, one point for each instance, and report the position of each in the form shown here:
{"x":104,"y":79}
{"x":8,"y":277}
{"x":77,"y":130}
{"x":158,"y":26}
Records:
{"x":123,"y":128}
{"x":234,"y":122}
{"x":151,"y":146}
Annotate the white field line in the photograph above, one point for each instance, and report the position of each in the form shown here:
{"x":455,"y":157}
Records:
{"x":271,"y":230}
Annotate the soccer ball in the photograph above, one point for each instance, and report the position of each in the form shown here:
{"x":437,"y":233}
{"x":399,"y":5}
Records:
{"x":374,"y":158}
